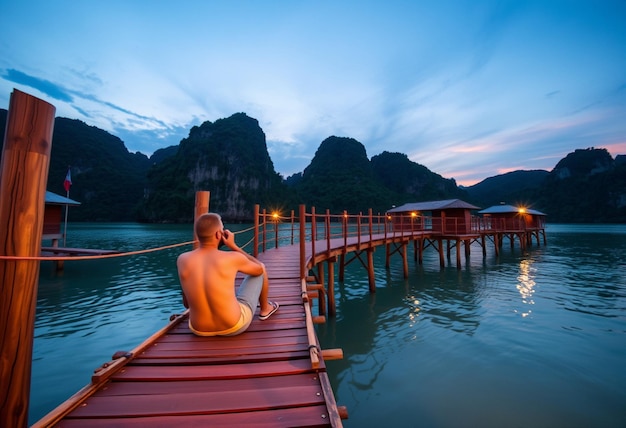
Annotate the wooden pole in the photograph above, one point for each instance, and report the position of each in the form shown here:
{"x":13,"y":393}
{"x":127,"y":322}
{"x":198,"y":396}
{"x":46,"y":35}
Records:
{"x":302,"y":214}
{"x":370,"y":270}
{"x":332,"y":306}
{"x":201,"y":207}
{"x":405,"y":261}
{"x":441,"y":260}
{"x":23,"y":177}
{"x":255,"y":250}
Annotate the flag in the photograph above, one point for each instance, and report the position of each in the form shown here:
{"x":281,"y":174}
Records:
{"x":68,"y":181}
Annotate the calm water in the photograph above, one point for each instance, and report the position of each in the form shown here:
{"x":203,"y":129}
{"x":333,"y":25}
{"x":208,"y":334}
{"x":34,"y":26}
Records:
{"x":534,"y":339}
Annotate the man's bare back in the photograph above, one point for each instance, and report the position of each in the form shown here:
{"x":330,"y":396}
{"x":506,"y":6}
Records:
{"x":207,"y":276}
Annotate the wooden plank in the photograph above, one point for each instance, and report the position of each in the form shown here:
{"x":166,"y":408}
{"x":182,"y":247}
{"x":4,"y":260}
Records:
{"x":215,"y":385}
{"x":227,"y":371}
{"x":226,"y":401}
{"x":223,"y":343}
{"x":222,"y":359}
{"x":312,"y":416}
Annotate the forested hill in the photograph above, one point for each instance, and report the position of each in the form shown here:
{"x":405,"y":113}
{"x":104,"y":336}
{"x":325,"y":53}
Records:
{"x":229,"y":157}
{"x":108,"y":180}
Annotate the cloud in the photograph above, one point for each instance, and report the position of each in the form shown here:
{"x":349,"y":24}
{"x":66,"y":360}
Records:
{"x":45,"y":86}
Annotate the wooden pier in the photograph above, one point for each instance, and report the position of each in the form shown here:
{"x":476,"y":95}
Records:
{"x":272,"y":375}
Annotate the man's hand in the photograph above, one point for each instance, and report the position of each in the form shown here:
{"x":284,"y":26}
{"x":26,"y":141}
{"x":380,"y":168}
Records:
{"x":228,"y":239}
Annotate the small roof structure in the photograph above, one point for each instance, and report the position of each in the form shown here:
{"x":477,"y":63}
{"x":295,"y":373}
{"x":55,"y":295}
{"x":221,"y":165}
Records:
{"x":508,"y":209}
{"x":434,"y":206}
{"x":54,"y":199}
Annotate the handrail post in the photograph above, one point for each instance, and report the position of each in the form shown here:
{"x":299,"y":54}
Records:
{"x":345,"y":228}
{"x":369,"y":214}
{"x":276,"y":219}
{"x":292,"y":226}
{"x":302,"y":242}
{"x":385,"y":225}
{"x":327,"y":221}
{"x":313,"y":234}
{"x":255,"y":251}
{"x":23,"y":176}
{"x":358,"y":230}
{"x":264,"y":230}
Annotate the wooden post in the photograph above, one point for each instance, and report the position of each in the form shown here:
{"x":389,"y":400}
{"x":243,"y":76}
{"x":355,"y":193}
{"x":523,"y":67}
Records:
{"x":332,"y":306}
{"x":405,"y":262}
{"x":201,"y":207}
{"x":23,"y":177}
{"x":421,"y":251}
{"x":302,"y":214}
{"x":441,"y":260}
{"x":342,"y":265}
{"x":387,"y":255}
{"x":255,"y":249}
{"x":370,"y":270}
{"x":321,"y":301}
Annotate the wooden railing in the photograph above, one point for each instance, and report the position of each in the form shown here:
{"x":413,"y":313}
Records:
{"x":322,"y":230}
{"x":319,"y":230}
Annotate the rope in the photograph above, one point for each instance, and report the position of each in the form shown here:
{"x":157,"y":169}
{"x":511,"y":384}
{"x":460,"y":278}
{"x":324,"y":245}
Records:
{"x":99,"y":256}
{"x":109,"y":256}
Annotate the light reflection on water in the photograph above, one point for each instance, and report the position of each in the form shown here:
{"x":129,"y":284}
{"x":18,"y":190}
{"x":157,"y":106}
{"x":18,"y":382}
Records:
{"x":530,"y":340}
{"x":535,"y":339}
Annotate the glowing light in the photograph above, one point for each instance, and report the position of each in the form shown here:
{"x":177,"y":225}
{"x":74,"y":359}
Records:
{"x":521,"y":210}
{"x":526,"y":284}
{"x":275,"y":215}
{"x":413,"y":214}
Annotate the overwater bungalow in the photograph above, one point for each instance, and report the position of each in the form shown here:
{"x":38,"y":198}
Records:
{"x":504,"y":218}
{"x":511,"y":221}
{"x":53,"y":216}
{"x":450,"y":216}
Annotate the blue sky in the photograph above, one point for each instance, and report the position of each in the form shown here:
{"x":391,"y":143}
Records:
{"x":468,"y":88}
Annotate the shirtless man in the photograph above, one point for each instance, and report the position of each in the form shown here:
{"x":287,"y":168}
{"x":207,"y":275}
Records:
{"x":207,"y":276}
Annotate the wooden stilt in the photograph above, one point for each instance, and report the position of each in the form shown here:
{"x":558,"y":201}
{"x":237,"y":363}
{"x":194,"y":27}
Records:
{"x":387,"y":255}
{"x":23,"y":177}
{"x":496,"y":242}
{"x":321,"y":301}
{"x":441,"y":259}
{"x":458,"y":254}
{"x":421,"y":251}
{"x":405,"y":262}
{"x":342,"y":266}
{"x":332,"y":306}
{"x":370,"y":270}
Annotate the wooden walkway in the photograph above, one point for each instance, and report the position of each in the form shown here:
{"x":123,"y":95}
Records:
{"x":273,"y":375}
{"x":263,"y":378}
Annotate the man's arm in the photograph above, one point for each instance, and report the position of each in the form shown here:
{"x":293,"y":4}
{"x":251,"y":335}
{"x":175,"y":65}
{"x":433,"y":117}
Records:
{"x":179,"y":265}
{"x":252,"y":266}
